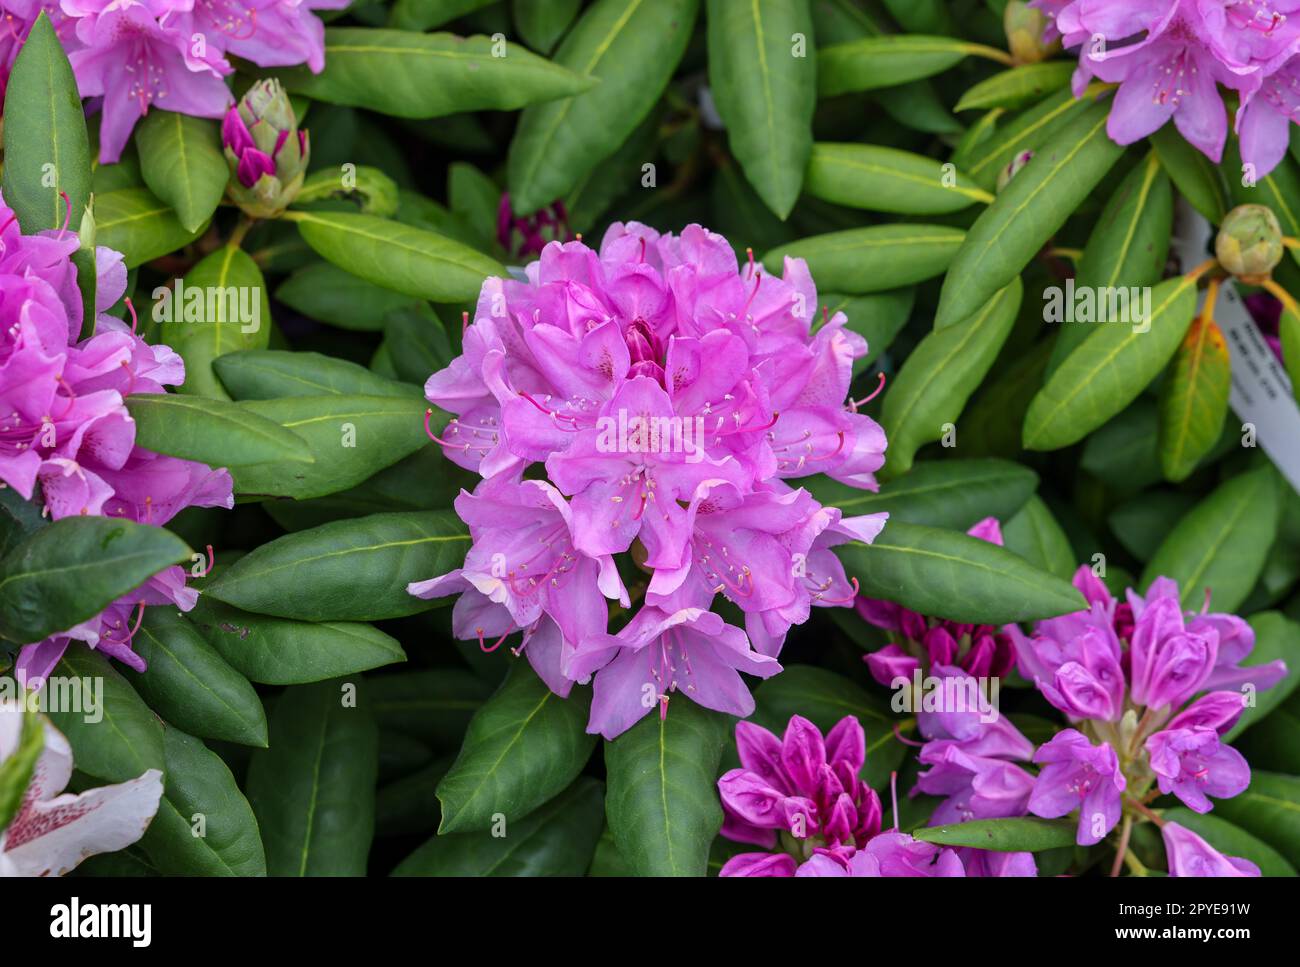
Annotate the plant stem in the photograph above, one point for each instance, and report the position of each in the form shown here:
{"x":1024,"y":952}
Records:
{"x":241,"y":229}
{"x":1122,"y":849}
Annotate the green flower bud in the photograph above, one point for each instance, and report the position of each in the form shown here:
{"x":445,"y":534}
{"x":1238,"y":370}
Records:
{"x":266,"y":151}
{"x":1025,"y":26}
{"x":1249,"y":244}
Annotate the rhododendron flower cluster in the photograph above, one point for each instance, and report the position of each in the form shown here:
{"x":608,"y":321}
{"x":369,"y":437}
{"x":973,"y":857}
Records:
{"x":1169,"y":56}
{"x":166,"y":54}
{"x":667,"y":395}
{"x":66,"y":436}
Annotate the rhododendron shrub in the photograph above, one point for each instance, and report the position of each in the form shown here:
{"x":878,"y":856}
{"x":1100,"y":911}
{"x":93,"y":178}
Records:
{"x":691,"y":438}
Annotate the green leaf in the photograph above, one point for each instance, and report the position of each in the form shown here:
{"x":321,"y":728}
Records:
{"x":1222,"y":543}
{"x":886,"y":180}
{"x":17,"y":768}
{"x":424,"y":14}
{"x":1034,"y":534}
{"x":230,"y":312}
{"x":632,"y":47}
{"x":325,"y":292}
{"x":281,"y":651}
{"x":662,"y":800}
{"x":267,"y":374}
{"x":873,"y":259}
{"x":1269,"y":810}
{"x":524,"y":745}
{"x":1196,"y":177}
{"x":947,"y":574}
{"x":824,"y":698}
{"x":1194,"y":399}
{"x":211,"y":431}
{"x":44,"y":135}
{"x":940,"y":374}
{"x":1018,"y":86}
{"x":19,"y":518}
{"x":542,"y":22}
{"x":1275,"y":637}
{"x":313,"y":790}
{"x":1140,"y":524}
{"x":134,"y":222}
{"x":182,"y":163}
{"x":983,"y":157}
{"x":1029,"y":210}
{"x":1289,"y":331}
{"x":1108,"y":370}
{"x":366,"y":189}
{"x":434,"y":705}
{"x":348,"y":570}
{"x":351,"y":438}
{"x":1279,"y":190}
{"x":191,"y":685}
{"x":114,"y":735}
{"x":1028,"y":834}
{"x":765,"y":91}
{"x":877,"y":318}
{"x":394,"y":256}
{"x":557,"y":839}
{"x":71,"y":570}
{"x":200,"y":795}
{"x":1230,"y":840}
{"x":415,"y":75}
{"x":887,"y":61}
{"x":408,"y":805}
{"x":941,"y":493}
{"x":418,"y":341}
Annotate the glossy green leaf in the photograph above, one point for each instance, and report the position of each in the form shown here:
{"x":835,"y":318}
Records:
{"x":71,"y":570}
{"x":46,"y":148}
{"x":542,"y":22}
{"x":947,"y":574}
{"x":763,"y":75}
{"x":19,"y":518}
{"x":939,"y":376}
{"x":887,"y":61}
{"x":632,"y":47}
{"x":313,"y":790}
{"x":877,"y":318}
{"x":1194,"y":399}
{"x":1027,"y":834}
{"x":282,"y":651}
{"x":416,"y":75}
{"x":182,"y":163}
{"x":349,"y":570}
{"x":325,"y":292}
{"x":1018,"y":86}
{"x":1196,"y":177}
{"x":394,"y":256}
{"x":887,"y":180}
{"x":1222,"y":543}
{"x":1269,"y":809}
{"x":365,"y":189}
{"x":1289,"y":332}
{"x":204,"y":825}
{"x":662,"y":800}
{"x":424,"y":14}
{"x":1109,"y":369}
{"x":1231,"y":840}
{"x":874,"y":259}
{"x":1034,"y":534}
{"x":267,"y":374}
{"x":211,"y":431}
{"x":134,"y":222}
{"x":983,"y":159}
{"x":524,"y":746}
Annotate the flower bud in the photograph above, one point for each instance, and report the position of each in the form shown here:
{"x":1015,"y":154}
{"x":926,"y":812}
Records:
{"x":1025,"y":27}
{"x":1249,"y":243}
{"x":266,"y":152}
{"x":1013,"y":168}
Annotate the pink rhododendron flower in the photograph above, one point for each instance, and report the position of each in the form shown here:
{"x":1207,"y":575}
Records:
{"x":1193,"y":764}
{"x":51,"y":833}
{"x":1189,"y":855}
{"x":1079,"y":775}
{"x":889,"y":854}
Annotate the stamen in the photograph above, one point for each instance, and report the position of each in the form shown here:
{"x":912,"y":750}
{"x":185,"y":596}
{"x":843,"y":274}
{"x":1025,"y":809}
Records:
{"x":854,"y":404}
{"x":130,"y":307}
{"x":67,"y":212}
{"x":484,"y":647}
{"x":849,"y":600}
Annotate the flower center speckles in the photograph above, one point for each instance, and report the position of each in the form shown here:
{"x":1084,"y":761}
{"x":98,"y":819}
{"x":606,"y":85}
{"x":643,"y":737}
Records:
{"x":794,"y":455}
{"x":230,"y":18}
{"x":554,"y":558}
{"x":1082,"y":782}
{"x":148,"y":82}
{"x":1173,"y":79}
{"x":721,"y":570}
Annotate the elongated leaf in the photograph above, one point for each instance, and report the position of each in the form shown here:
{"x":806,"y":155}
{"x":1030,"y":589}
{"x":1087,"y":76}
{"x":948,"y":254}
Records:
{"x":267,"y":374}
{"x":191,"y":685}
{"x":313,"y":790}
{"x":524,"y":746}
{"x":887,"y":180}
{"x":409,"y":805}
{"x":113,"y":734}
{"x":349,"y":570}
{"x":824,"y":698}
{"x":416,"y":75}
{"x":46,"y":149}
{"x":1231,"y":840}
{"x":542,"y":22}
{"x":281,"y":651}
{"x":418,"y":342}
{"x":1194,"y":399}
{"x":1025,"y":215}
{"x":1018,"y":86}
{"x":1221,"y":544}
{"x":763,"y":74}
{"x":424,"y":14}
{"x":19,"y":518}
{"x":74,"y":568}
{"x":984,"y":157}
{"x":877,"y":318}
{"x":662,"y":801}
{"x":1196,"y":177}
{"x":1109,"y":369}
{"x":136,"y":223}
{"x":394,"y":256}
{"x":633,"y":47}
{"x":1026,"y":834}
{"x":328,"y":293}
{"x":950,"y":575}
{"x":182,"y":163}
{"x":1034,"y":534}
{"x":1269,"y":810}
{"x":557,"y":839}
{"x":941,"y":493}
{"x":211,"y":431}
{"x":367,"y":190}
{"x":874,"y":259}
{"x":220,"y":306}
{"x":887,"y":61}
{"x":1276,"y":636}
{"x":204,"y":825}
{"x":1289,"y":333}
{"x":939,"y":376}
{"x":435,"y":705}
{"x":351,"y":438}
